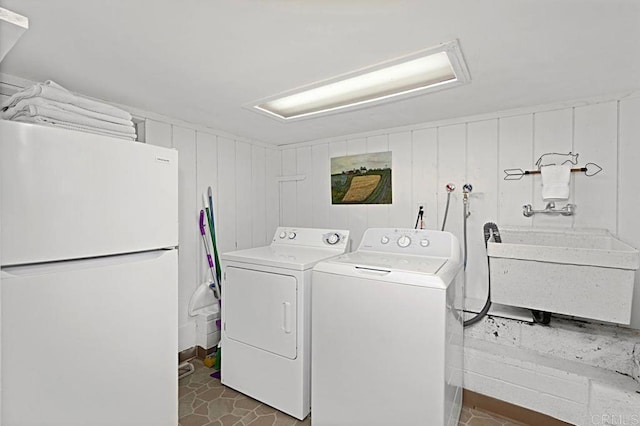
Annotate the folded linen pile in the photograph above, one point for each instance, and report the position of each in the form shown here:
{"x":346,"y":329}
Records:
{"x":50,"y":104}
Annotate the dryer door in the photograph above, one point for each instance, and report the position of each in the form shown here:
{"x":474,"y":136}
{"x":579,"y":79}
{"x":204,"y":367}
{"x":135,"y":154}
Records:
{"x":260,"y":310}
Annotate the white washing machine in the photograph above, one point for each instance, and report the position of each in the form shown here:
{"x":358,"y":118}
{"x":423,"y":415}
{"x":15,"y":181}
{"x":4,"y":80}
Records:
{"x":266,"y":316}
{"x":387,"y":332}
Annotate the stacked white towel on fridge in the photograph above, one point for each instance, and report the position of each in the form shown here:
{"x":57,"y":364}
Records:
{"x":50,"y":104}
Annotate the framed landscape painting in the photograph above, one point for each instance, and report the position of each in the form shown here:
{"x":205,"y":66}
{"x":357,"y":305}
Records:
{"x":361,"y":179}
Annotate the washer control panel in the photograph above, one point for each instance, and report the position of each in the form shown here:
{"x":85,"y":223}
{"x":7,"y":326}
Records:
{"x":311,"y":237}
{"x":409,"y":241}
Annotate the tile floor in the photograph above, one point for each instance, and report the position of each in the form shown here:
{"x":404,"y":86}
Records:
{"x":204,"y":401}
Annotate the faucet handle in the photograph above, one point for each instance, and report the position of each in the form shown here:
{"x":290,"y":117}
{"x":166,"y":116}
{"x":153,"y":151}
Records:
{"x":467,"y":187}
{"x":568,"y":210}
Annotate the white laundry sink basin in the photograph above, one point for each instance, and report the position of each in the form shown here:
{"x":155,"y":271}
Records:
{"x":587,"y":273}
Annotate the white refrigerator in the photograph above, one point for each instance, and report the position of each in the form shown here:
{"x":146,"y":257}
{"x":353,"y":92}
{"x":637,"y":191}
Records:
{"x":88,"y":280}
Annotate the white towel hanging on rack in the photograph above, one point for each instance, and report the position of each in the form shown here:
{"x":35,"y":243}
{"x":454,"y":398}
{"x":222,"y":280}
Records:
{"x":555,"y":182}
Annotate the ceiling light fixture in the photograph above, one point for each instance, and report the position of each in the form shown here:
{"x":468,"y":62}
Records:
{"x":421,"y":72}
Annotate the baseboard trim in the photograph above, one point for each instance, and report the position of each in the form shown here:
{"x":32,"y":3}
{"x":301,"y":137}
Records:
{"x":202,"y":353}
{"x":186,"y":355}
{"x":195,"y":352}
{"x":514,"y":412}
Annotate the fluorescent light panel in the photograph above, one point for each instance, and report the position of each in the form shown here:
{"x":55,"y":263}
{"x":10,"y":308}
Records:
{"x":402,"y":78}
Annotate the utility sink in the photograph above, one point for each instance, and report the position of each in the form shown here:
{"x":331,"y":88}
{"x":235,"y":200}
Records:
{"x":586,"y":273}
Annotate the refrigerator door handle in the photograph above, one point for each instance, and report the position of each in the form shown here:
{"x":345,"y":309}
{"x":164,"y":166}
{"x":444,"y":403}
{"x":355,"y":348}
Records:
{"x":91,"y":263}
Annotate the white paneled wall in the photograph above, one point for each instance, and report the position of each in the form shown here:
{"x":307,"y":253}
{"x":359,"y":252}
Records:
{"x":242,"y":176}
{"x":184,"y":140}
{"x":629,"y":184}
{"x":427,"y":157}
{"x":482,"y":163}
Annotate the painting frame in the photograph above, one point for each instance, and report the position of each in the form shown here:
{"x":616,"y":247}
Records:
{"x":362,"y":179}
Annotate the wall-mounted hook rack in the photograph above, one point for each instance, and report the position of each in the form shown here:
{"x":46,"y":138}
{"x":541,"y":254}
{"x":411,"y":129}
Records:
{"x":589,"y":169}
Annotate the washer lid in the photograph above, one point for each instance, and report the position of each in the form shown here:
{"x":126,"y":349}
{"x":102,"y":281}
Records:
{"x":393,"y":262}
{"x":422,"y":271}
{"x":286,"y":257}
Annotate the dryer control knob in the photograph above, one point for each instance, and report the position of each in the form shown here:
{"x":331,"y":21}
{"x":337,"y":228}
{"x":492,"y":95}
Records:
{"x":384,"y":239}
{"x":283,"y":234}
{"x":292,"y":235}
{"x":404,"y":241}
{"x":333,"y":239}
{"x":424,"y":243}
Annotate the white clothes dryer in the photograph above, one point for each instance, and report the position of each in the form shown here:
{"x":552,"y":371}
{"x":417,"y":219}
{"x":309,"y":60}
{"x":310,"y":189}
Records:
{"x":387,"y":332}
{"x":266,"y":303}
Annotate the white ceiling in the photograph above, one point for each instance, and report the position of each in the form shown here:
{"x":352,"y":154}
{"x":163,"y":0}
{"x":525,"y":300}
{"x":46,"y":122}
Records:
{"x":201,"y":61}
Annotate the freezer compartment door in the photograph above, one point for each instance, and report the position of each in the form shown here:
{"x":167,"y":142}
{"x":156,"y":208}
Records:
{"x":91,"y":342}
{"x":260,"y":310}
{"x":69,"y":195}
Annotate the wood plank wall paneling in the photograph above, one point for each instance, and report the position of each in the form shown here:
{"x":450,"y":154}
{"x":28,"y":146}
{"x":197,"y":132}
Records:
{"x":158,"y":133}
{"x":482,"y":163}
{"x":244,"y":200}
{"x":321,"y":186}
{"x":596,"y":132}
{"x":226,"y":219}
{"x":426,"y":158}
{"x":424,"y":175}
{"x":629,"y":185}
{"x":451,"y":168}
{"x":402,"y":210}
{"x":207,"y":176}
{"x":288,"y":189}
{"x":357,"y":221}
{"x":378,"y":215}
{"x":339,"y":213}
{"x":184,"y":140}
{"x":272,"y":192}
{"x":515,"y":151}
{"x":243,"y":178}
{"x":258,"y":193}
{"x":552,"y":132}
{"x":304,"y":188}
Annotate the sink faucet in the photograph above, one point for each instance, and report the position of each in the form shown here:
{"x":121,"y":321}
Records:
{"x":550,"y":208}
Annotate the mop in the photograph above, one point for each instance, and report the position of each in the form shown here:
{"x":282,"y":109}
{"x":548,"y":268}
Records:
{"x":212,"y":231}
{"x":186,"y":368}
{"x":218,"y":272}
{"x":214,"y":278}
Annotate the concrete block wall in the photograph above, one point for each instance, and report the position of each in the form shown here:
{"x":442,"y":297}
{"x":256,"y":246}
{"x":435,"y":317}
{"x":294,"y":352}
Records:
{"x":576,"y":372}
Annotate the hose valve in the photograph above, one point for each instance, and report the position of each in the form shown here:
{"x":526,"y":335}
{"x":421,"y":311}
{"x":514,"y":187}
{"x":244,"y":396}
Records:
{"x":466,"y":190}
{"x":451,"y":187}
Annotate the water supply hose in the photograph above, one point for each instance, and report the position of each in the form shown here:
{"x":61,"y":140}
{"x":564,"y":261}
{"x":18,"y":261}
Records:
{"x":420,"y":218}
{"x":490,"y":229}
{"x":450,"y":188}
